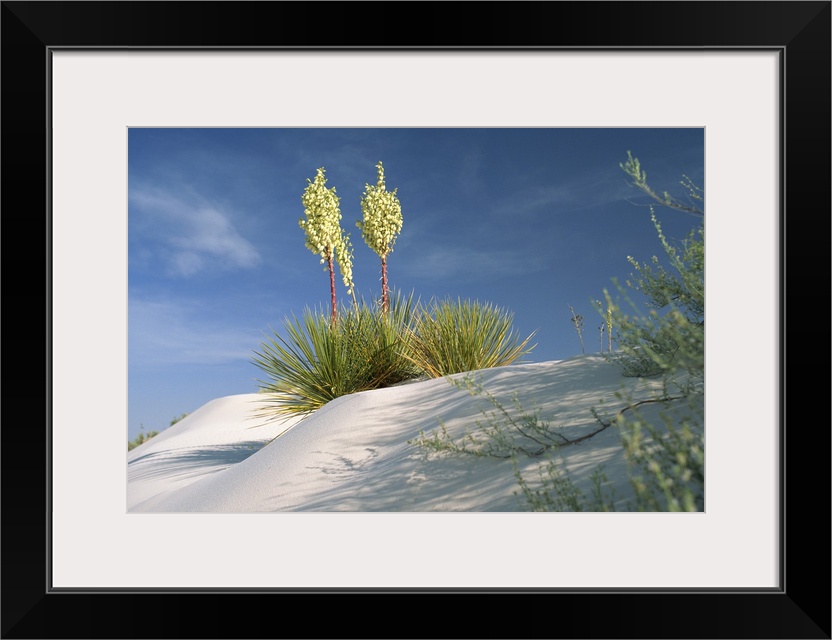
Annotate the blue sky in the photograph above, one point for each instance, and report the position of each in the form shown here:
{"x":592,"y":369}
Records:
{"x":532,"y":220}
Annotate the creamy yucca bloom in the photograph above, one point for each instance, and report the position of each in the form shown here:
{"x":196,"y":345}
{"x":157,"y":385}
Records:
{"x":343,"y":254}
{"x":322,"y":225}
{"x":382,"y":216}
{"x":382,"y":223}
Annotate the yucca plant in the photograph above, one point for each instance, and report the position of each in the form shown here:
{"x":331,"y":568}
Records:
{"x":378,"y":341}
{"x":457,"y":336}
{"x":315,"y":361}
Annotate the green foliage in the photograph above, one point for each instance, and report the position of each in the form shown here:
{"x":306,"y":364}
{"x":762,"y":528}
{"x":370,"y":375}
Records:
{"x":578,"y":323}
{"x":632,"y":167}
{"x":144,"y":437}
{"x":178,"y":418}
{"x":684,"y":289}
{"x":315,"y":361}
{"x":671,"y":336}
{"x":555,"y":491}
{"x":454,"y":337}
{"x":667,"y":465}
{"x":141,"y":439}
{"x":507,"y":434}
{"x":502,"y":434}
{"x":656,"y":344}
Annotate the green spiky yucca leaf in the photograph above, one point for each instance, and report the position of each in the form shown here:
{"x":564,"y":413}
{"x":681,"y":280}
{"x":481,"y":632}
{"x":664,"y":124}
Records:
{"x":454,"y":337}
{"x":314,"y":361}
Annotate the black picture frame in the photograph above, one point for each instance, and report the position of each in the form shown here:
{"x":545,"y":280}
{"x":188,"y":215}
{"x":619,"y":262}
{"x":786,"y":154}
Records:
{"x":30,"y":608}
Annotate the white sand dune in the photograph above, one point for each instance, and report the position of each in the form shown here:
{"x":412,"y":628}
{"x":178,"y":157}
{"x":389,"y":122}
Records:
{"x":353,"y":454}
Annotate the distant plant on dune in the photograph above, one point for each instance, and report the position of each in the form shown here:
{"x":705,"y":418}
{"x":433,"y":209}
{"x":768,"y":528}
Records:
{"x":140,"y":439}
{"x":178,"y":418}
{"x":144,"y":437}
{"x":381,"y":223}
{"x":605,"y":327}
{"x":463,"y":335}
{"x":578,"y":323}
{"x":324,"y":235}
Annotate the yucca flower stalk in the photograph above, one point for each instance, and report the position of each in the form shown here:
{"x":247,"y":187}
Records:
{"x":381,"y":224}
{"x":324,"y":235}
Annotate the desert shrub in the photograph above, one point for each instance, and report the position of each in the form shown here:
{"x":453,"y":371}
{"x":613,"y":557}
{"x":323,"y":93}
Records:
{"x":665,"y":459}
{"x":176,"y":419}
{"x":578,"y":322}
{"x":665,"y":465}
{"x":315,"y":361}
{"x":555,"y":491}
{"x":140,"y":439}
{"x":503,"y":432}
{"x":671,"y":335}
{"x":457,"y":336}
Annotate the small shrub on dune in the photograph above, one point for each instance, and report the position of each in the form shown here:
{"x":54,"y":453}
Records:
{"x":454,"y":337}
{"x":140,"y":439}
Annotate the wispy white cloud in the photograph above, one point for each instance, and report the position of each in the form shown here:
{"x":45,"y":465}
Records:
{"x":163,"y":332}
{"x":188,"y":233}
{"x":583,"y":192}
{"x":467,"y":263}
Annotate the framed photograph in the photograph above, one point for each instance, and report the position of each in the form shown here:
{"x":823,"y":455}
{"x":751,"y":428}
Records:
{"x":77,"y":78}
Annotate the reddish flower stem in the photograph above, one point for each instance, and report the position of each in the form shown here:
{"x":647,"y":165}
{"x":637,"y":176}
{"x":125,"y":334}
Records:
{"x":385,"y":301}
{"x":332,"y":287}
